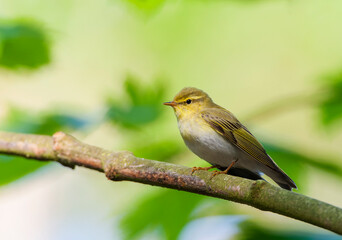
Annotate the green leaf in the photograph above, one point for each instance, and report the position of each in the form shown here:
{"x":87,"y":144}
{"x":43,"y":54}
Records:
{"x":331,"y":107}
{"x":162,"y":150}
{"x":146,"y":6}
{"x":140,"y":105}
{"x":168,"y":210}
{"x":22,"y":121}
{"x":134,"y":116}
{"x":23,"y":44}
{"x":13,"y":168}
{"x":18,"y":120}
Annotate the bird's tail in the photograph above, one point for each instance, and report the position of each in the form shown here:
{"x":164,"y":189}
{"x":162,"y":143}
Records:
{"x":242,"y":172}
{"x":280,"y":177}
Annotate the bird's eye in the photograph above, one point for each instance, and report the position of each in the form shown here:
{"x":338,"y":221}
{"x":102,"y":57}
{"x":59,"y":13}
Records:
{"x":188,"y":101}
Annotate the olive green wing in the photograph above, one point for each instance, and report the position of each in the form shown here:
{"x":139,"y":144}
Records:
{"x":225,"y":124}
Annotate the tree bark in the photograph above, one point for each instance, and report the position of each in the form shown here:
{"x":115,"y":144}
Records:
{"x":119,"y":166}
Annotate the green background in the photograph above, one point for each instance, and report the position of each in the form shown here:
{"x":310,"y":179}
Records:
{"x":100,"y":70}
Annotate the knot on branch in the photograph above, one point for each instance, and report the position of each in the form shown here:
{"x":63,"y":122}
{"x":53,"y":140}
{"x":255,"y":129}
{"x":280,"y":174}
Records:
{"x":115,"y":162}
{"x":62,"y":141}
{"x":257,"y":188}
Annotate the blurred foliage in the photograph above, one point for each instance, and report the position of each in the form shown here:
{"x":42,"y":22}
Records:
{"x":293,"y":163}
{"x":150,"y":7}
{"x":19,"y":120}
{"x":140,"y":105}
{"x":164,"y":212}
{"x":23,"y":44}
{"x":13,"y":168}
{"x":331,"y":107}
{"x":144,"y":106}
{"x":162,"y":150}
{"x":251,"y":230}
{"x":146,"y":6}
{"x":169,"y":209}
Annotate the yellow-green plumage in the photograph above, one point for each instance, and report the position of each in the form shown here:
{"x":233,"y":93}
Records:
{"x":237,"y":134}
{"x":214,"y":134}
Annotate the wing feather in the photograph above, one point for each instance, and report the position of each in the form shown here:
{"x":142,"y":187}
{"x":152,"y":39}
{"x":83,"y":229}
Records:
{"x":225,"y":124}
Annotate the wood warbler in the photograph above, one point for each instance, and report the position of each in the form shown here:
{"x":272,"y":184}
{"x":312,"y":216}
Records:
{"x":215,"y":135}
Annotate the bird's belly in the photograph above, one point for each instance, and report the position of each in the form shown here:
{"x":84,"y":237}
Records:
{"x":209,"y":145}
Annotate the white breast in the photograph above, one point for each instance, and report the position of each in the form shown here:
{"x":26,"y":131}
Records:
{"x":207,"y":144}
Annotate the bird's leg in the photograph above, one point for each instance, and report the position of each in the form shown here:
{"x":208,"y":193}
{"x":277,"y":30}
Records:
{"x":225,"y":171}
{"x":194,"y":169}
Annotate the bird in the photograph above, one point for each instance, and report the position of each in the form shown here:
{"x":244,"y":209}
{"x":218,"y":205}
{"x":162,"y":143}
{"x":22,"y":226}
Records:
{"x":215,"y":135}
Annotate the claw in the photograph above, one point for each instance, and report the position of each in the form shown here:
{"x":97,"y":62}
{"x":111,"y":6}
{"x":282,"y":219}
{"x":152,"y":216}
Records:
{"x":194,"y":169}
{"x":223,"y":172}
{"x":217,"y":173}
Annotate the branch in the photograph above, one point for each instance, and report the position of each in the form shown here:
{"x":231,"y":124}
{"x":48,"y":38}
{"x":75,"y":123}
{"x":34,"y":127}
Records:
{"x":119,"y":166}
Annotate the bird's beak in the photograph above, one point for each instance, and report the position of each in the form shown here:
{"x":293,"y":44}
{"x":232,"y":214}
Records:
{"x":172,"y":104}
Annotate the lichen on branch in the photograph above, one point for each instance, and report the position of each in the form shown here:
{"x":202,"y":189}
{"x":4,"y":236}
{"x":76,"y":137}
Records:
{"x":119,"y":166}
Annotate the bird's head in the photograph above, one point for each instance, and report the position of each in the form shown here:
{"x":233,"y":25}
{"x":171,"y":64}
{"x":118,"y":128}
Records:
{"x":189,"y":101}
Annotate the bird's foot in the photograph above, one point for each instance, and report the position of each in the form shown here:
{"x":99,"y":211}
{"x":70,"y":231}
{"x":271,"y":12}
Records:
{"x":194,"y":169}
{"x":218,"y":173}
{"x":223,"y":172}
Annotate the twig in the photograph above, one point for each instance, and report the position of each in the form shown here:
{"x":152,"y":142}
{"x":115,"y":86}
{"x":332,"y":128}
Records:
{"x":119,"y":166}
